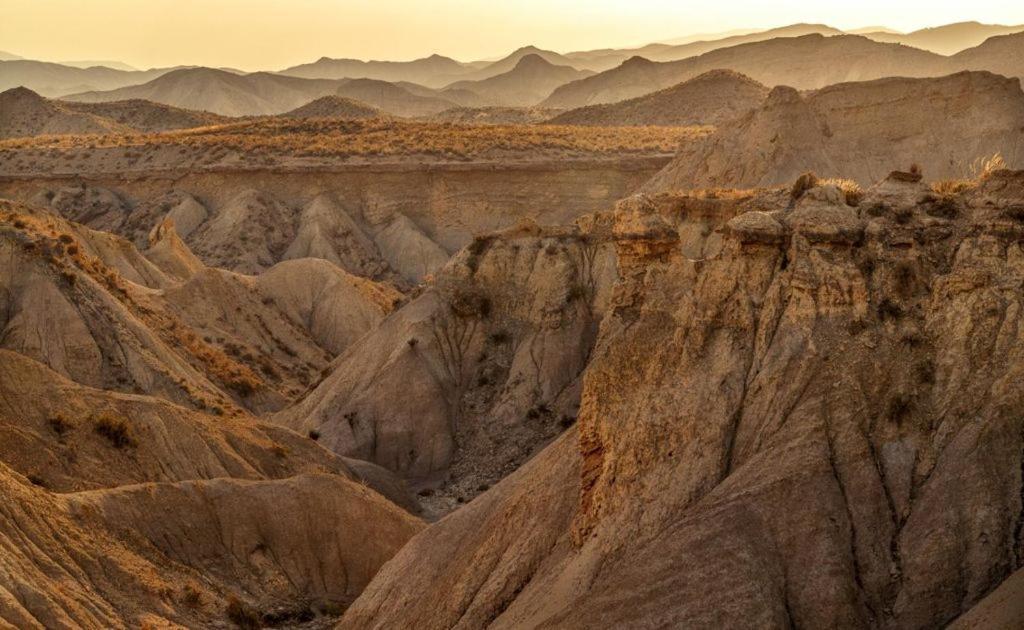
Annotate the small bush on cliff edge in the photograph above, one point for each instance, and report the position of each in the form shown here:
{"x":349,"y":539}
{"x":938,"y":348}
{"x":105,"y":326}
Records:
{"x":802,"y":184}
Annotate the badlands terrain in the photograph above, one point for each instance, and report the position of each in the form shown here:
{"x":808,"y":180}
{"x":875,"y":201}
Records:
{"x":717,"y":332}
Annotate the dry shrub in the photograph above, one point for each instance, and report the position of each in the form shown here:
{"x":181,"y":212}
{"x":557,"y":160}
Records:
{"x":241,"y":614}
{"x":802,"y":184}
{"x":59,"y":424}
{"x":851,"y":190}
{"x":343,"y":139}
{"x":948,"y":187}
{"x":981,"y":168}
{"x":114,"y":429}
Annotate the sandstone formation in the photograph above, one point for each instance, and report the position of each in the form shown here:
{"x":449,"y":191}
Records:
{"x":461,"y":385}
{"x":137,"y":491}
{"x":390,"y":224}
{"x":94,"y":309}
{"x":808,"y":421}
{"x":158,"y":554}
{"x":948,"y":126}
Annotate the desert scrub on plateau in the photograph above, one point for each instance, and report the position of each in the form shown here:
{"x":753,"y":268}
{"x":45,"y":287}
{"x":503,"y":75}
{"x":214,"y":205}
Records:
{"x":382,"y":138}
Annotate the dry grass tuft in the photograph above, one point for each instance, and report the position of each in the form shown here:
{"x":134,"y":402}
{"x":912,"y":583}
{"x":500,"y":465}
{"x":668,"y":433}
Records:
{"x":851,"y":190}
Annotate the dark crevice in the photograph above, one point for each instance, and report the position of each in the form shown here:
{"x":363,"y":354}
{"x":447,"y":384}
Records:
{"x":857,"y":569}
{"x":1018,"y":534}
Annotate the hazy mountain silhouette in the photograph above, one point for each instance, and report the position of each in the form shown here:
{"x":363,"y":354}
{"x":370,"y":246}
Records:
{"x":531,"y":80}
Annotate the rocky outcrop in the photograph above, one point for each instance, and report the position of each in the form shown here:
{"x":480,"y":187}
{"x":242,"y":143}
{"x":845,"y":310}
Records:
{"x":948,"y":126}
{"x":462,"y":384}
{"x":814,"y":424}
{"x":94,"y":309}
{"x":326,"y":230}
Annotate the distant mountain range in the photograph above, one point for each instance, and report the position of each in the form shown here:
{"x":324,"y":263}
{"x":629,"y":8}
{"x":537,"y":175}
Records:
{"x":264,"y":93}
{"x":531,"y":80}
{"x":804,"y":56}
{"x":807,"y":62}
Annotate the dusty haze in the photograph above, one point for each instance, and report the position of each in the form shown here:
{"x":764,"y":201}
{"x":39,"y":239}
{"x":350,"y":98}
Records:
{"x":267,"y":34}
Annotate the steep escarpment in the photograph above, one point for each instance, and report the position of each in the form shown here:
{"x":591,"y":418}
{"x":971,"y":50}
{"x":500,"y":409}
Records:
{"x":457,"y":388}
{"x":813,"y":423}
{"x":860,"y":131}
{"x":137,"y":488}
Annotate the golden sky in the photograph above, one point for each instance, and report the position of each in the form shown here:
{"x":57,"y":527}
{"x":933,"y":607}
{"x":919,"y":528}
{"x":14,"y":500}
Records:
{"x":273,"y":34}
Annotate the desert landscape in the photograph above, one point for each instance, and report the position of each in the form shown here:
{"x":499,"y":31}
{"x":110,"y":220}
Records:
{"x":723,"y":330}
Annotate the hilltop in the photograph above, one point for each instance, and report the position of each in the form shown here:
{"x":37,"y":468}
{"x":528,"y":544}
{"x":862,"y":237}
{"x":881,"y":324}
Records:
{"x":531,"y":80}
{"x":334,"y":107}
{"x":29,"y":114}
{"x":709,"y":99}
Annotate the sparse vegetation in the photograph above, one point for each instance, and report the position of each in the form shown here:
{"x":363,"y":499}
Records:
{"x":59,"y":424}
{"x":379,"y":138}
{"x":851,"y":190}
{"x":241,"y":614}
{"x":982,"y":167}
{"x":802,"y":184}
{"x":191,"y":597}
{"x":114,"y":430}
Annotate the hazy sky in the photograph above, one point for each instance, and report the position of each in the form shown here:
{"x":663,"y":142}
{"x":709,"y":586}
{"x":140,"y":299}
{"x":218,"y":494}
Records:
{"x":272,"y":34}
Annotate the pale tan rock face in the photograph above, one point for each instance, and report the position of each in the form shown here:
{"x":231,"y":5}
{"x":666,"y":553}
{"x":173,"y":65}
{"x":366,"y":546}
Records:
{"x":163,"y":503}
{"x":815,"y":425}
{"x":461,"y":385}
{"x":96,"y":310}
{"x":176,"y":554}
{"x":860,"y":131}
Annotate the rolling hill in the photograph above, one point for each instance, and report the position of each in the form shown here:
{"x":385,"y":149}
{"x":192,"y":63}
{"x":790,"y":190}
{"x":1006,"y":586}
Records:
{"x":334,"y":107}
{"x":395,"y":99}
{"x":709,"y":99}
{"x":26,"y":113}
{"x":263,"y":93}
{"x":220,"y":92}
